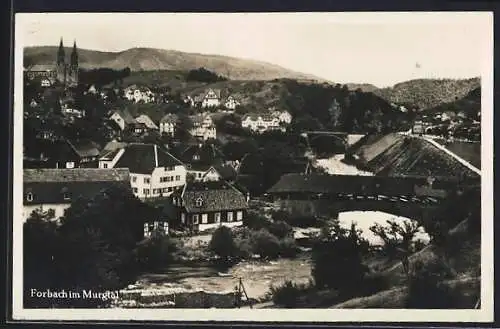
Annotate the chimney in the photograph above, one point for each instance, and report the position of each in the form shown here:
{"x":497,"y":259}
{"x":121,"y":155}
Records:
{"x":156,"y":155}
{"x":248,"y":197}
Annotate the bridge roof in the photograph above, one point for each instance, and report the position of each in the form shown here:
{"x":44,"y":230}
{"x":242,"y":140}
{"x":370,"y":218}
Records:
{"x":382,"y":185}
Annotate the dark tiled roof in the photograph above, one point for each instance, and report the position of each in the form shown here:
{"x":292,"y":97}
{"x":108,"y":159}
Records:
{"x":114,"y":145}
{"x":127,"y":117}
{"x":202,"y":157}
{"x":227,"y":172}
{"x":55,"y":150}
{"x":50,"y":185}
{"x":41,"y":68}
{"x":85,"y":148}
{"x":142,"y":158}
{"x":169,"y":118}
{"x":108,"y":155}
{"x":216,"y":196}
{"x":324,"y":183}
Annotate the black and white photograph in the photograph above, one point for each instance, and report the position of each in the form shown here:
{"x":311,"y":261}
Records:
{"x":298,"y":167}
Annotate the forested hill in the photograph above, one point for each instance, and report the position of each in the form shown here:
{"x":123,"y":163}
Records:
{"x":152,"y":59}
{"x":428,"y":93}
{"x":470,"y":104}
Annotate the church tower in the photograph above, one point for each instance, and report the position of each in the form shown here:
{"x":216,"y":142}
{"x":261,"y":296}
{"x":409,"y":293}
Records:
{"x":73,"y":67}
{"x":61,"y":64}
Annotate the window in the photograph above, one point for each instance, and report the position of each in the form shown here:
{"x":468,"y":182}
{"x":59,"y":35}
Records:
{"x":105,"y":165}
{"x":29,"y":196}
{"x":229,"y":216}
{"x":195,"y":219}
{"x":146,"y":180}
{"x":171,"y":178}
{"x":199,"y":202}
{"x":66,"y":196}
{"x":134,"y":179}
{"x":135,"y":190}
{"x":170,"y":189}
{"x":145,"y":191}
{"x":239,"y":215}
{"x":217,"y":217}
{"x":204,"y":218}
{"x":70,"y":165}
{"x":199,"y":175}
{"x":178,"y":177}
{"x":196,"y":157}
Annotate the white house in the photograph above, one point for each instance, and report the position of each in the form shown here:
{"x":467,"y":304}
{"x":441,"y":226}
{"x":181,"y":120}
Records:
{"x":203,"y":127}
{"x":55,"y":189}
{"x":260,"y":122}
{"x":284,"y":117}
{"x":122,"y":118}
{"x":168,"y":123}
{"x":211,"y":98}
{"x":231,"y":103}
{"x":138,"y":94}
{"x":153,"y":171}
{"x":146,"y":120}
{"x":189,"y":100}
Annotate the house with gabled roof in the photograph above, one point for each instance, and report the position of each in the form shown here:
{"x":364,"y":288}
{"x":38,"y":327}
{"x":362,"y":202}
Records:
{"x":122,"y":118}
{"x":55,"y":189}
{"x":260,"y":122}
{"x":199,"y":158}
{"x":225,"y":172}
{"x":201,"y":206}
{"x":154,"y":172}
{"x":168,"y":123}
{"x":203,"y":127}
{"x":146,"y":120}
{"x":211,"y":98}
{"x":231,"y":103}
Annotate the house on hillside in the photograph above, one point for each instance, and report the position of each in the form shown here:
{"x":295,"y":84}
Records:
{"x":154,"y":172}
{"x":201,"y":206}
{"x":284,"y":117}
{"x":211,"y":98}
{"x":122,"y":118}
{"x":259,"y":123}
{"x":224,"y":172}
{"x":146,"y":120}
{"x":203,"y":127}
{"x":61,"y":153}
{"x":55,"y":189}
{"x":139,"y":94}
{"x":189,"y":100}
{"x":168,"y":123}
{"x":72,"y":112}
{"x":200,"y":158}
{"x":231,"y":103}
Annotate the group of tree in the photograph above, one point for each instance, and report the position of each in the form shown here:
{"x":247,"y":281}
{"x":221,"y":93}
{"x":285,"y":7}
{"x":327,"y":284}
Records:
{"x":261,"y":236}
{"x":102,"y":76}
{"x":203,"y":75}
{"x":97,"y":245}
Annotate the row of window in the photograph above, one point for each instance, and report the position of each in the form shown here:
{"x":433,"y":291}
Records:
{"x":217,"y":217}
{"x":147,"y":180}
{"x":169,"y":178}
{"x":29,"y":196}
{"x":146,"y":191}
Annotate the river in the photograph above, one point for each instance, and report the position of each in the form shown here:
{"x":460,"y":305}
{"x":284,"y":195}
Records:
{"x":257,"y":276}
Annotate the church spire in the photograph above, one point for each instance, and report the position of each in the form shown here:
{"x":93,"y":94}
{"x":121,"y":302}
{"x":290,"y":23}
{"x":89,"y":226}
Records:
{"x":60,"y":54}
{"x":74,"y":55}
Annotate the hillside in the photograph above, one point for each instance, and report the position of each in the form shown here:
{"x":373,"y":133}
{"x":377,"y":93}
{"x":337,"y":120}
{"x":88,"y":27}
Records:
{"x":428,"y":93}
{"x":151,"y":59}
{"x":470,"y":104}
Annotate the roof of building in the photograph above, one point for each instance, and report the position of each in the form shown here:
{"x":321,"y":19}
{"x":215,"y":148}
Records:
{"x":41,"y":68}
{"x":255,"y":116}
{"x":143,"y":118}
{"x":51,"y":185}
{"x":227,"y":172}
{"x":169,"y":118}
{"x":114,"y":145}
{"x":202,"y":156}
{"x":215,"y":196}
{"x":143,"y":158}
{"x":217,"y":93}
{"x":85,"y":148}
{"x":127,"y":117}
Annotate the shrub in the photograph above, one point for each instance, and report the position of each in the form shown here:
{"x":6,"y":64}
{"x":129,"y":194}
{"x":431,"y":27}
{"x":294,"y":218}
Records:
{"x":222,"y":243}
{"x":280,"y":229}
{"x":155,"y":252}
{"x":266,"y":244}
{"x":288,"y":247}
{"x":288,"y":294}
{"x":426,"y":289}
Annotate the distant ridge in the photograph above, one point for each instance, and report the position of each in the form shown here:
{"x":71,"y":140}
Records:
{"x":152,"y":59}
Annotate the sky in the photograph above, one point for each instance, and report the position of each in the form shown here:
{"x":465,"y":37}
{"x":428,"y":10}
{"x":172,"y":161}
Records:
{"x":378,"y":48}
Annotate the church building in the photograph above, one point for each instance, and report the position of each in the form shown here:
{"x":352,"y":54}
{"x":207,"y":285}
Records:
{"x":62,"y":72}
